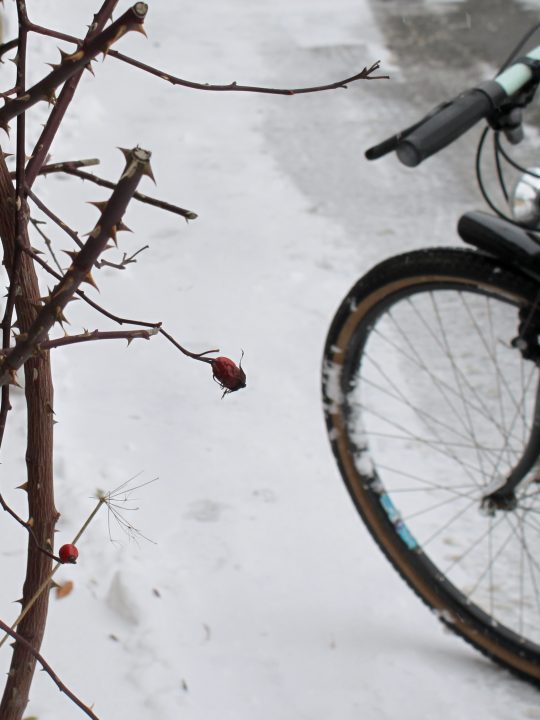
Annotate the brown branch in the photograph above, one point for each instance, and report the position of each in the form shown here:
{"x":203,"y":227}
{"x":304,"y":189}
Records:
{"x":89,"y":336}
{"x":65,"y":166}
{"x":365,"y":74}
{"x":39,"y":397}
{"x":137,"y":164}
{"x":125,"y":321}
{"x":73,"y":63}
{"x":61,"y":224}
{"x":19,"y":208}
{"x":48,"y":669}
{"x":54,"y":120}
{"x":124,"y":262}
{"x":188,"y":214}
{"x":27,"y":527}
{"x":48,"y":243}
{"x":6,"y":47}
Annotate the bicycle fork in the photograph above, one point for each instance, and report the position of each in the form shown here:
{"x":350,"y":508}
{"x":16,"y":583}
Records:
{"x":501,"y":493}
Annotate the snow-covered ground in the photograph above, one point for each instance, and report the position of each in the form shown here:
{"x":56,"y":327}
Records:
{"x":261,"y":595}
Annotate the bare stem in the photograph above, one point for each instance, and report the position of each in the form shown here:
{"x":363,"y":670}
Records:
{"x":365,"y":74}
{"x":126,"y":321}
{"x":46,"y":584}
{"x":61,"y":224}
{"x":27,"y":527}
{"x":137,"y":164}
{"x":73,"y":63}
{"x":54,"y":120}
{"x":48,"y":669}
{"x":188,"y":214}
{"x":88,"y":336}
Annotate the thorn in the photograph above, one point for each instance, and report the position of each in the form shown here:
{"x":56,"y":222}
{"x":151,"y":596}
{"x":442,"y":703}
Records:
{"x":13,"y":378}
{"x":126,"y":153}
{"x":60,"y":317}
{"x":90,"y":280}
{"x":72,"y":254}
{"x":24,"y":486}
{"x":122,"y":226}
{"x":20,"y":600}
{"x":54,"y":66}
{"x":148,"y":171}
{"x":49,"y":408}
{"x":100,"y":204}
{"x":140,"y":29}
{"x":90,"y":69}
{"x":113,"y":235}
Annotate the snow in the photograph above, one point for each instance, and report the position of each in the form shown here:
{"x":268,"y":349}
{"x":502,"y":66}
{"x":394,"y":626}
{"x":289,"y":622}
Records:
{"x":261,"y":595}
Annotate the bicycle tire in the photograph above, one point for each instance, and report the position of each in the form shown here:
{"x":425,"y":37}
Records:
{"x":375,"y":423}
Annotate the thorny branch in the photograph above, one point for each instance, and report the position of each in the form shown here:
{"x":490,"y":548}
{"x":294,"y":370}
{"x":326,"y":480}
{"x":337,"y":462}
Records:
{"x":123,"y":320}
{"x":48,"y":669}
{"x":80,"y":270}
{"x":161,"y":204}
{"x":90,"y":336}
{"x":33,"y":343}
{"x":73,"y":63}
{"x":26,"y":526}
{"x":54,"y":120}
{"x":61,"y":224}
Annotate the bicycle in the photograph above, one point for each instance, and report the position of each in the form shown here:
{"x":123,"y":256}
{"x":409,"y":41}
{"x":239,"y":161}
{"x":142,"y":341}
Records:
{"x":432,"y":395}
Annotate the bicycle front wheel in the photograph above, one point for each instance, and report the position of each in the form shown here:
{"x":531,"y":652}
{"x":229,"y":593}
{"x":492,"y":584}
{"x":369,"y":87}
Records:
{"x":428,"y":405}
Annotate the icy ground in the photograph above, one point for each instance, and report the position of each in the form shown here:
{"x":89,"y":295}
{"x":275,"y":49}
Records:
{"x":262,"y":596}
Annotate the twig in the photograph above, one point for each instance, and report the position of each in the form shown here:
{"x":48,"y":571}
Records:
{"x":188,"y":214}
{"x":137,"y":165}
{"x":364,"y":74}
{"x":6,"y":47}
{"x":61,"y":224}
{"x":124,"y":262}
{"x":56,"y":116}
{"x":89,"y":336}
{"x":36,"y":224}
{"x":65,"y":166}
{"x":48,"y":669}
{"x":26,"y":526}
{"x":71,"y":64}
{"x":125,"y":321}
{"x":46,"y":584}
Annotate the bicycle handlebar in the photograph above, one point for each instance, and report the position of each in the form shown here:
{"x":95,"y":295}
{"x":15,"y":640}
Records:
{"x":449,"y":123}
{"x":450,"y":120}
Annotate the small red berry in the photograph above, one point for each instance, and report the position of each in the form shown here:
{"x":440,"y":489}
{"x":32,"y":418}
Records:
{"x":229,"y":375}
{"x":68,"y":554}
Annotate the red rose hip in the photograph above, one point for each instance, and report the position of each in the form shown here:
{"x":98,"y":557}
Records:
{"x":68,"y":554}
{"x":229,"y":375}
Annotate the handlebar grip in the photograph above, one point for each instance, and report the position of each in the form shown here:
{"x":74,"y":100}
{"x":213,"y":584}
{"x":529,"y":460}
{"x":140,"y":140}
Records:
{"x":450,"y":122}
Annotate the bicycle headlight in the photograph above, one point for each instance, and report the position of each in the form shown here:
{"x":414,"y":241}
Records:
{"x":525,"y":199}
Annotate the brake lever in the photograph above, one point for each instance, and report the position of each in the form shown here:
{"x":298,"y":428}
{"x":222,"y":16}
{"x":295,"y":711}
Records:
{"x":391,"y":143}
